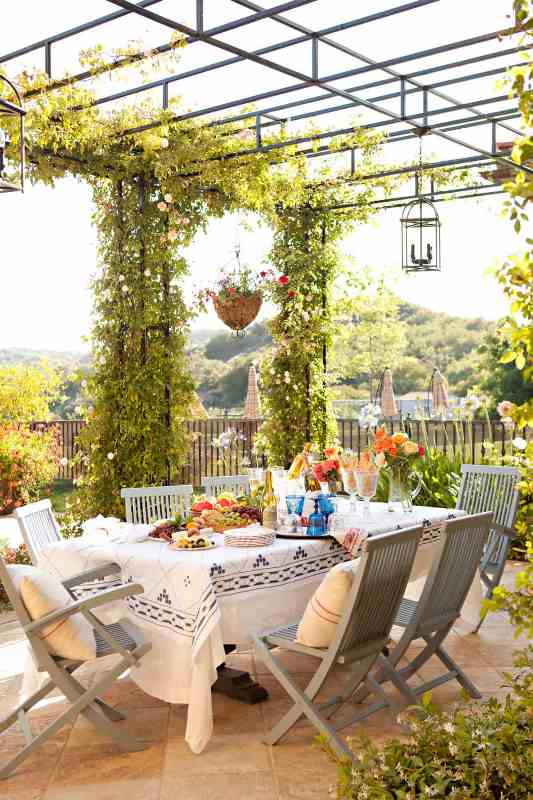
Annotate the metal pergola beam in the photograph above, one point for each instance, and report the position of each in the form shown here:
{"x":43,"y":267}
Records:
{"x":311,"y":80}
{"x":407,"y":84}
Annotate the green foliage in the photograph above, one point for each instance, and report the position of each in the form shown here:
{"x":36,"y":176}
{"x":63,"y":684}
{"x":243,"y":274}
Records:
{"x":368,"y":334}
{"x":481,"y":753}
{"x":26,"y":393}
{"x":516,"y":275}
{"x":28,"y":464}
{"x":501,"y":380}
{"x":441,"y":477}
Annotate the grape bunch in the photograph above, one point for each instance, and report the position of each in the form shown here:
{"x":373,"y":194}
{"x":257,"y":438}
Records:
{"x":250,"y":512}
{"x":164,"y":532}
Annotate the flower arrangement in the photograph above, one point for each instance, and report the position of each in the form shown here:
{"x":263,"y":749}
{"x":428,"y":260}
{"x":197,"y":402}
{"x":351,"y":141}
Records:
{"x":328,"y":470}
{"x":396,"y":449}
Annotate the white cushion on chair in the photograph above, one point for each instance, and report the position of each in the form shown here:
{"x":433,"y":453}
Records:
{"x":42,"y":593}
{"x":324,"y":610}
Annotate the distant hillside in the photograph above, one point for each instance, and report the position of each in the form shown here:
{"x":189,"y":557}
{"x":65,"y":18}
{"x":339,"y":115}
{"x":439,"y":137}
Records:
{"x":65,"y":359}
{"x":220,"y":360}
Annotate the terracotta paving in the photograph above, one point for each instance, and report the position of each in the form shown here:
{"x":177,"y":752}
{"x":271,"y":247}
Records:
{"x":79,"y":765}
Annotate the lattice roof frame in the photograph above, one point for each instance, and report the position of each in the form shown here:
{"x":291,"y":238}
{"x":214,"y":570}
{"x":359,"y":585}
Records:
{"x":406,"y":85}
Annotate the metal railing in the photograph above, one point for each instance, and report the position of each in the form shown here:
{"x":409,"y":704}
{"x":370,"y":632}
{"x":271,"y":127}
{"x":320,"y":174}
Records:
{"x":206,"y":458}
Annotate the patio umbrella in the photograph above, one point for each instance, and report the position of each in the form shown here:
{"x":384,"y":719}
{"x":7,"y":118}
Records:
{"x":252,"y":406}
{"x":439,"y":393}
{"x":385,"y":395}
{"x":197,"y":410}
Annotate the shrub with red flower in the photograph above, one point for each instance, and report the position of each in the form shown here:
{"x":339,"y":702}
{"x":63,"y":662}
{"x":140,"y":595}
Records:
{"x":283,"y":280}
{"x":28,"y":465}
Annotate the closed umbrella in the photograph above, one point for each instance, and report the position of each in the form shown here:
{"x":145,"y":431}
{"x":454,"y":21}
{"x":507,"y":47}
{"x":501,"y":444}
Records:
{"x":386,"y":397}
{"x":252,"y":406}
{"x":197,"y":409}
{"x":439,"y":393}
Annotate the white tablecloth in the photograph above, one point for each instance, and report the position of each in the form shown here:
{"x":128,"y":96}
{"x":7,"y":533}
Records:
{"x":195,"y":601}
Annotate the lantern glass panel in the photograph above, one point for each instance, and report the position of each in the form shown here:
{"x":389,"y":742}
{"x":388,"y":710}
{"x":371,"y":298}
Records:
{"x":420,"y":237}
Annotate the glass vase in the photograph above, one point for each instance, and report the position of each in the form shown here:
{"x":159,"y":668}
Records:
{"x":401,"y":493}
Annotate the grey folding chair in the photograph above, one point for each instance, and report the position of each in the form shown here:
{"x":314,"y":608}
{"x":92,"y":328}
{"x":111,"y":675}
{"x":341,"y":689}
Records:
{"x":491,"y":489}
{"x":39,"y":527}
{"x":237,"y":484}
{"x":148,"y":504}
{"x":433,"y":615}
{"x":122,"y":638}
{"x":362,"y":633}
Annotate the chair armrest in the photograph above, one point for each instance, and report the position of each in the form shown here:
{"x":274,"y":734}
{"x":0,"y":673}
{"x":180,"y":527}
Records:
{"x":91,"y":575}
{"x":87,"y":604}
{"x":503,"y":530}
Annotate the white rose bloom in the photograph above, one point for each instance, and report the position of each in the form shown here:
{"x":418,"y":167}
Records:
{"x":111,"y":456}
{"x":63,"y":461}
{"x":168,"y":198}
{"x":124,"y":288}
{"x":121,"y":278}
{"x":519,"y":443}
{"x":147,"y":273}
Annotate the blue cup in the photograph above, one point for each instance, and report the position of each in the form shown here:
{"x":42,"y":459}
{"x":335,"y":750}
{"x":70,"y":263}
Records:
{"x":317,"y":524}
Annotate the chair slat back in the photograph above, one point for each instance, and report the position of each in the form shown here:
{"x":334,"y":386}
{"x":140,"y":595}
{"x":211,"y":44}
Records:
{"x":453,"y":570}
{"x":493,"y":489}
{"x":378,"y":589}
{"x":38,"y":527}
{"x":148,"y":504}
{"x":237,"y":484}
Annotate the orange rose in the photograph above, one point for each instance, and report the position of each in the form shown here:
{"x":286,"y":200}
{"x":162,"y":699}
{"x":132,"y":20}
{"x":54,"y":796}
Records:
{"x":380,"y":433}
{"x":399,"y":438}
{"x":393,"y":451}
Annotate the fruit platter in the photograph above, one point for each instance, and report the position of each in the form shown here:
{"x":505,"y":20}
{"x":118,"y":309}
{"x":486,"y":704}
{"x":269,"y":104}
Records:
{"x":191,"y":532}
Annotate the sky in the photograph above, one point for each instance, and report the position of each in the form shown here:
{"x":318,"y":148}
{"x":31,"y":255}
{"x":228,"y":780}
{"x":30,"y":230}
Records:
{"x":48,"y":244}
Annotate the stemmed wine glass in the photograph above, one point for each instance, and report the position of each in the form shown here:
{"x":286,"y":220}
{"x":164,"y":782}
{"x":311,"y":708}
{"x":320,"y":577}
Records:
{"x":349,"y":481}
{"x":367,"y":483}
{"x":295,"y":504}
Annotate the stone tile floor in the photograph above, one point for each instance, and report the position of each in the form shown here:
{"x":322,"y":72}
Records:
{"x":78,"y":765}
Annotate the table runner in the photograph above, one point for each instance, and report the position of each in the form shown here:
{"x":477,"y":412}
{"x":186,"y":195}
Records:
{"x":193,"y":602}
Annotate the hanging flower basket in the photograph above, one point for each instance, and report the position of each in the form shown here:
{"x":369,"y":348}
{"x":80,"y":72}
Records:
{"x":239,"y":310}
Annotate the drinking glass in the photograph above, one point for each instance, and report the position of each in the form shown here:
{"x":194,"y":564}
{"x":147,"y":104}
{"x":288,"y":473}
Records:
{"x":367,"y":483}
{"x":256,"y":476}
{"x":349,"y":481}
{"x":327,"y":504}
{"x":295,"y":504}
{"x":317,"y":526}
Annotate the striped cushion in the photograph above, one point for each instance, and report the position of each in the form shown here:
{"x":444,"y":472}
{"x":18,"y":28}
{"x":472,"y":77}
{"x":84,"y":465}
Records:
{"x":324,"y":610}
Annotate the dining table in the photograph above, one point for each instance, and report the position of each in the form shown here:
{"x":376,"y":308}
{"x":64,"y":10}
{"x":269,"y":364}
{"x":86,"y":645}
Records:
{"x":196,"y":601}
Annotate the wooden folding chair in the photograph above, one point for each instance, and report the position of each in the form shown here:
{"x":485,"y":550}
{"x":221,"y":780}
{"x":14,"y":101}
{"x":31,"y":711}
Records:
{"x":146,"y":504}
{"x":432,"y":617}
{"x":362,"y":633}
{"x":491,"y":489}
{"x":39,"y":527}
{"x":122,"y":638}
{"x":237,"y":484}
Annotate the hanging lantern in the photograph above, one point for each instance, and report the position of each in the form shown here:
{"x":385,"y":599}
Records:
{"x":13,"y":182}
{"x":420,"y":229}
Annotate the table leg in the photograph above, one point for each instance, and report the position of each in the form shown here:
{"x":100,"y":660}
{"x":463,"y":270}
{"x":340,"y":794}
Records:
{"x":238,"y":684}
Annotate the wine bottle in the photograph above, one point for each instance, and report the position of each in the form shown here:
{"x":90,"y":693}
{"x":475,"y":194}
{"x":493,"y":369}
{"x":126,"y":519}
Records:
{"x":310,"y":479}
{"x":270,"y":510}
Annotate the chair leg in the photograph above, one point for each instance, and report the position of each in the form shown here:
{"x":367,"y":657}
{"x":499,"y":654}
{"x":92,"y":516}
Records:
{"x":26,"y":705}
{"x":302,"y":704}
{"x":111,"y":713}
{"x":398,"y":681}
{"x":463,"y":679}
{"x":84,"y":702}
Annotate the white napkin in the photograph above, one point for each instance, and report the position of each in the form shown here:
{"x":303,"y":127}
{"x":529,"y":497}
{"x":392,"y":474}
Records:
{"x":128,"y":532}
{"x":101,"y":526}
